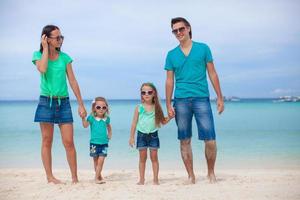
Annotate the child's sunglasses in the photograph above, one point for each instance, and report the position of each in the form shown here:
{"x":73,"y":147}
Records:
{"x":150,"y":92}
{"x":102,"y":108}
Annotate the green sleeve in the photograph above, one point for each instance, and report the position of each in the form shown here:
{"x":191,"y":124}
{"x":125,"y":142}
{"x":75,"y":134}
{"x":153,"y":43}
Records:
{"x":37,"y":55}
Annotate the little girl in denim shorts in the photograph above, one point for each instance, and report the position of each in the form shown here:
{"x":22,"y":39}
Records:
{"x":101,"y":133}
{"x":148,"y":116}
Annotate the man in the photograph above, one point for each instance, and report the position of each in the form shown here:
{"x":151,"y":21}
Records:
{"x":188,"y":64}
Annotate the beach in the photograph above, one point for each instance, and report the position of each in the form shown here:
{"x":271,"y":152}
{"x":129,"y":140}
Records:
{"x":258,"y":157}
{"x":121,"y":184}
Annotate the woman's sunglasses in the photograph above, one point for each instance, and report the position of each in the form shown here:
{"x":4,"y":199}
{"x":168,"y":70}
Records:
{"x":150,"y":92}
{"x":58,"y":38}
{"x":102,"y":108}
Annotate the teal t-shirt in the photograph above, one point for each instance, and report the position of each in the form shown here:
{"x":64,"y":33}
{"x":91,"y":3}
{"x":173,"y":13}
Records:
{"x":98,"y":130}
{"x":54,"y":80}
{"x":146,"y":120}
{"x":190,"y":71}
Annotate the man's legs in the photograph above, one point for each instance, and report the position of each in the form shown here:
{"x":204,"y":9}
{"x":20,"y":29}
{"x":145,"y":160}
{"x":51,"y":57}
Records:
{"x":183,"y":116}
{"x":187,"y":157}
{"x":206,"y":132}
{"x":210,"y":155}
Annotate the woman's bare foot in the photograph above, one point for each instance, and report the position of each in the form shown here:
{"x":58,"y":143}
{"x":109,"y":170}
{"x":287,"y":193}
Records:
{"x":212,"y":178}
{"x":141,"y":182}
{"x":54,"y":180}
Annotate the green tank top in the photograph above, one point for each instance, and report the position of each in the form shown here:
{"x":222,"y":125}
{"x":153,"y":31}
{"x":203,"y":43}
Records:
{"x":146,"y":120}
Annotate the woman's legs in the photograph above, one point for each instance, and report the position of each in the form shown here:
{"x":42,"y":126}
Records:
{"x":155,"y":165}
{"x":47,"y":139}
{"x":142,"y":165}
{"x":68,"y":141}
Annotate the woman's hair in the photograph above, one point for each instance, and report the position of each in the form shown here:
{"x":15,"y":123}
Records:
{"x":47,"y":31}
{"x":159,"y":115}
{"x":181,"y":19}
{"x":94,"y":103}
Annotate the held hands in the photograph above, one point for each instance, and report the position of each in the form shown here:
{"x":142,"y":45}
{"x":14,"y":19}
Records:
{"x":44,"y":41}
{"x":131,"y":142}
{"x":171,"y":112}
{"x":81,"y":111}
{"x":220,"y":105}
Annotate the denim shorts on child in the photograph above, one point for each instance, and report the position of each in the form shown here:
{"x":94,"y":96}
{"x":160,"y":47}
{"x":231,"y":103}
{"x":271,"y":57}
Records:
{"x":147,"y":140}
{"x":98,"y":150}
{"x":185,"y":109}
{"x":54,"y":110}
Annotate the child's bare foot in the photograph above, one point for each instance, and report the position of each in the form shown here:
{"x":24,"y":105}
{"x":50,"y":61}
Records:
{"x":75,"y":181}
{"x":155,"y":182}
{"x":54,"y":180}
{"x":141,"y":182}
{"x":212,"y":178}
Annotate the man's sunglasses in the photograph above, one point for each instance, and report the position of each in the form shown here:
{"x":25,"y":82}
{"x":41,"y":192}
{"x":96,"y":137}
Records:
{"x":150,"y":92}
{"x":58,"y":38}
{"x":180,"y":30}
{"x":102,"y":108}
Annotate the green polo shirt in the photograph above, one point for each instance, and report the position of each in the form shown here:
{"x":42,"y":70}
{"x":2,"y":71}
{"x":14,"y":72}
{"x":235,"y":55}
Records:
{"x":54,"y":80}
{"x":190,"y":71}
{"x":98,"y":129}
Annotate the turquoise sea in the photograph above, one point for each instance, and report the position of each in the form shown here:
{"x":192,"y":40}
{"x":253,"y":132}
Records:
{"x":251,"y":133}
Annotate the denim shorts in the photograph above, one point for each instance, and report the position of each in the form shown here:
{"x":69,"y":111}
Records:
{"x":185,"y":109}
{"x":98,"y":150}
{"x":147,"y":140}
{"x":58,"y":112}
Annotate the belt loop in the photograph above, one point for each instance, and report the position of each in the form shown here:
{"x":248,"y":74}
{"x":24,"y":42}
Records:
{"x":51,"y":100}
{"x":59,"y":101}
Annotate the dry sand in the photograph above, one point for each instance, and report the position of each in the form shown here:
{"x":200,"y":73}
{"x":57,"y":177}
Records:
{"x":241,"y":184}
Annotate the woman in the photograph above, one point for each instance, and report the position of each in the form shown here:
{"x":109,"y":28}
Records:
{"x":54,"y":105}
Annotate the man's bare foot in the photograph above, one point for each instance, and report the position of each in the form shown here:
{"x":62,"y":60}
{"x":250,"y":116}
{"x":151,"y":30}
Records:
{"x":99,"y":181}
{"x":141,"y":182}
{"x":54,"y":180}
{"x":192,"y":179}
{"x":212,"y":178}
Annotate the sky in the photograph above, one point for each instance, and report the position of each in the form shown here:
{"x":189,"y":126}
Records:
{"x":118,"y":45}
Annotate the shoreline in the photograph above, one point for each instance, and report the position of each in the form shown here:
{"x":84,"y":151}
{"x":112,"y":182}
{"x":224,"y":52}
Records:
{"x":121,"y":184}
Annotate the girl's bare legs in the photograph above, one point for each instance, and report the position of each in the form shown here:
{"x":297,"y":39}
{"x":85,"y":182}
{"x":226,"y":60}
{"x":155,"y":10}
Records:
{"x":68,"y":141}
{"x":142,"y":166}
{"x":98,"y":176}
{"x":155,"y":165}
{"x":47,"y":139}
{"x":95,"y":166}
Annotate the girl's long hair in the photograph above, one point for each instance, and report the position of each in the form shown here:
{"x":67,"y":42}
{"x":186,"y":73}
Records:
{"x":94,"y":103}
{"x":159,"y":115}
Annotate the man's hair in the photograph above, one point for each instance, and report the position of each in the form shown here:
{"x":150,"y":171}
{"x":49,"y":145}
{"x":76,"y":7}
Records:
{"x":181,"y":19}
